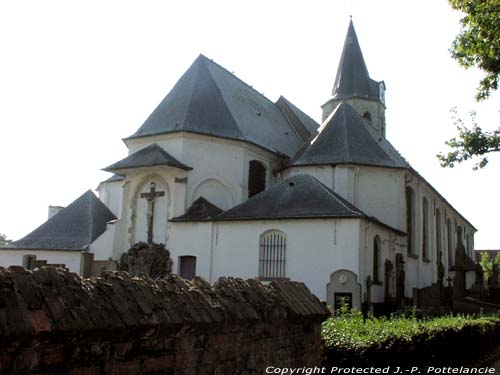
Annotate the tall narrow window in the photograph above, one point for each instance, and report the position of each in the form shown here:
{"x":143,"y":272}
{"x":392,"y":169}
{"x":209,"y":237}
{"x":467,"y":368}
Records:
{"x":187,"y":267}
{"x":425,"y":229}
{"x":449,"y":235}
{"x":467,"y":244}
{"x":256,"y":178}
{"x":376,"y":259}
{"x":272,"y":255}
{"x":410,"y":219}
{"x":439,"y":236}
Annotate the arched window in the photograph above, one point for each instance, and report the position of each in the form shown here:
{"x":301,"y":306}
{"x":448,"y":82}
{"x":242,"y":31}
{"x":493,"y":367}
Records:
{"x":377,"y":252}
{"x":410,"y":219}
{"x":439,"y":236}
{"x":425,"y":229}
{"x":367,"y":116}
{"x":272,"y":255}
{"x":449,"y":240}
{"x":256,"y":178}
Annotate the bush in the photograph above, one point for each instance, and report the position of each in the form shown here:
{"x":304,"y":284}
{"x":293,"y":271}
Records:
{"x":406,"y":340}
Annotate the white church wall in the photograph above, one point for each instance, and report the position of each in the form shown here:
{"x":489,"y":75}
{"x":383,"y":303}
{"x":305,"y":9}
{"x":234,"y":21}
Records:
{"x":223,"y":174}
{"x":389,"y":246}
{"x":71,"y":259}
{"x":102,"y":247}
{"x":323,"y":173}
{"x":192,"y":239}
{"x":315,"y":249}
{"x":380,"y":192}
{"x":110,"y":193}
{"x":222,"y":170}
{"x":423,"y":272}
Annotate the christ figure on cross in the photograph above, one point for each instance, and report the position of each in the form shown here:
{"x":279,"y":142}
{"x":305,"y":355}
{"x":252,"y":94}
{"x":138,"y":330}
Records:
{"x":150,"y":197}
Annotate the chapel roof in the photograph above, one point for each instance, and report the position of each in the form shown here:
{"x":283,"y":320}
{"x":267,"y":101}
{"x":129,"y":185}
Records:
{"x":352,"y":78}
{"x":201,"y":209}
{"x":150,"y":156}
{"x":73,"y":228}
{"x":210,"y":100}
{"x":300,"y":196}
{"x":346,"y":138}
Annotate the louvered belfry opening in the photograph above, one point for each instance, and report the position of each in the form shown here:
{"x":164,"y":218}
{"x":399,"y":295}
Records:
{"x":256,"y":178}
{"x":272,"y":256}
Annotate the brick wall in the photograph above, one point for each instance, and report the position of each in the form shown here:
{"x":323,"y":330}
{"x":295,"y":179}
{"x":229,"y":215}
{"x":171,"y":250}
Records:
{"x":54,"y":322}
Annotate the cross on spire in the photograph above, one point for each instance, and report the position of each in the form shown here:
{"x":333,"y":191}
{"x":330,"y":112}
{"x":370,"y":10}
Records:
{"x":150,"y":197}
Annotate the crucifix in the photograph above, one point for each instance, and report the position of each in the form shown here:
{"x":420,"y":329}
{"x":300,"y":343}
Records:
{"x":150,"y":197}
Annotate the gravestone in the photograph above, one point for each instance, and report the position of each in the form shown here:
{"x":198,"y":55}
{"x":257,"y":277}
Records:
{"x":459,"y":268}
{"x":388,"y":268}
{"x":343,"y":288}
{"x":400,"y":280}
{"x":146,"y":259}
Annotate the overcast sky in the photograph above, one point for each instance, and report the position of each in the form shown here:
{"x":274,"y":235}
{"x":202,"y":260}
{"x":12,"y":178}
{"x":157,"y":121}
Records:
{"x":78,"y":76}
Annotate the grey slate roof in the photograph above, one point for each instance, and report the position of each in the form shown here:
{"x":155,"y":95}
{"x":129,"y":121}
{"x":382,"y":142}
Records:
{"x":352,"y":75}
{"x":346,"y":138}
{"x":201,"y":209}
{"x":150,"y":156}
{"x":305,"y":121}
{"x":209,"y":100}
{"x":301,"y":196}
{"x":73,"y":228}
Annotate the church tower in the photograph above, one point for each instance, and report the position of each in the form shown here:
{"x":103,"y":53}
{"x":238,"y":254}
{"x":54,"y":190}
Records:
{"x":354,"y":86}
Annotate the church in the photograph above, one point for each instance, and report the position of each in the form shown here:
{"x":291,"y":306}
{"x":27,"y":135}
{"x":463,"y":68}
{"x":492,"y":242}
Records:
{"x":234,"y":184}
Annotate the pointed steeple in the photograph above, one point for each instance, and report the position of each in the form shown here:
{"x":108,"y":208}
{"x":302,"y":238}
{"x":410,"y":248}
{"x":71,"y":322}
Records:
{"x":352,"y":78}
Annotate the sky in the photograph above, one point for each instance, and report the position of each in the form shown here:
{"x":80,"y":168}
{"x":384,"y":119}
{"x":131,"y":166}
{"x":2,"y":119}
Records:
{"x":78,"y":76}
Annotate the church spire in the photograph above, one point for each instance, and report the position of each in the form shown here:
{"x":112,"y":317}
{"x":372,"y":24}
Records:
{"x":352,"y":78}
{"x":354,"y":86}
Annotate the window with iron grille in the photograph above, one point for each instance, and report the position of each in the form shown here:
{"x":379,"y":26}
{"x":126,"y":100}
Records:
{"x":272,"y":255}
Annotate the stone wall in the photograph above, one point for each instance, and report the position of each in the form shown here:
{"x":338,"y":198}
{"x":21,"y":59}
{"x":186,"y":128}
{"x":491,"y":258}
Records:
{"x":54,"y":322}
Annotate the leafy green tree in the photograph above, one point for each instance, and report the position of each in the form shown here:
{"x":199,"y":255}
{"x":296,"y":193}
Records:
{"x":487,"y":264}
{"x":4,"y":240}
{"x":477,"y":44}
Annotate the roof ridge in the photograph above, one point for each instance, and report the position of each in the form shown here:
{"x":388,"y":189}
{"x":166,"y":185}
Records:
{"x":336,"y":197}
{"x":224,"y":99}
{"x":239,"y":79}
{"x":293,"y":105}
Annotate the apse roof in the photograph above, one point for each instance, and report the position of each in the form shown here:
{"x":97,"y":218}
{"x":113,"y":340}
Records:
{"x":346,"y":138}
{"x":73,"y":228}
{"x":210,"y":100}
{"x":150,"y":156}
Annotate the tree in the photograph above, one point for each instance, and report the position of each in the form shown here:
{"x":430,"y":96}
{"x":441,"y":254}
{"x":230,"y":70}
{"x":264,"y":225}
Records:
{"x":487,"y":264}
{"x":477,"y":44}
{"x":4,"y":241}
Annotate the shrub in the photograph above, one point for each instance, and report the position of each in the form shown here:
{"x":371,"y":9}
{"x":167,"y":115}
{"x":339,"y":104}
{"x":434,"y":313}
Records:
{"x":443,"y":340}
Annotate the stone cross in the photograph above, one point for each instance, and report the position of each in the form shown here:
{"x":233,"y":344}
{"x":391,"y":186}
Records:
{"x":150,"y":197}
